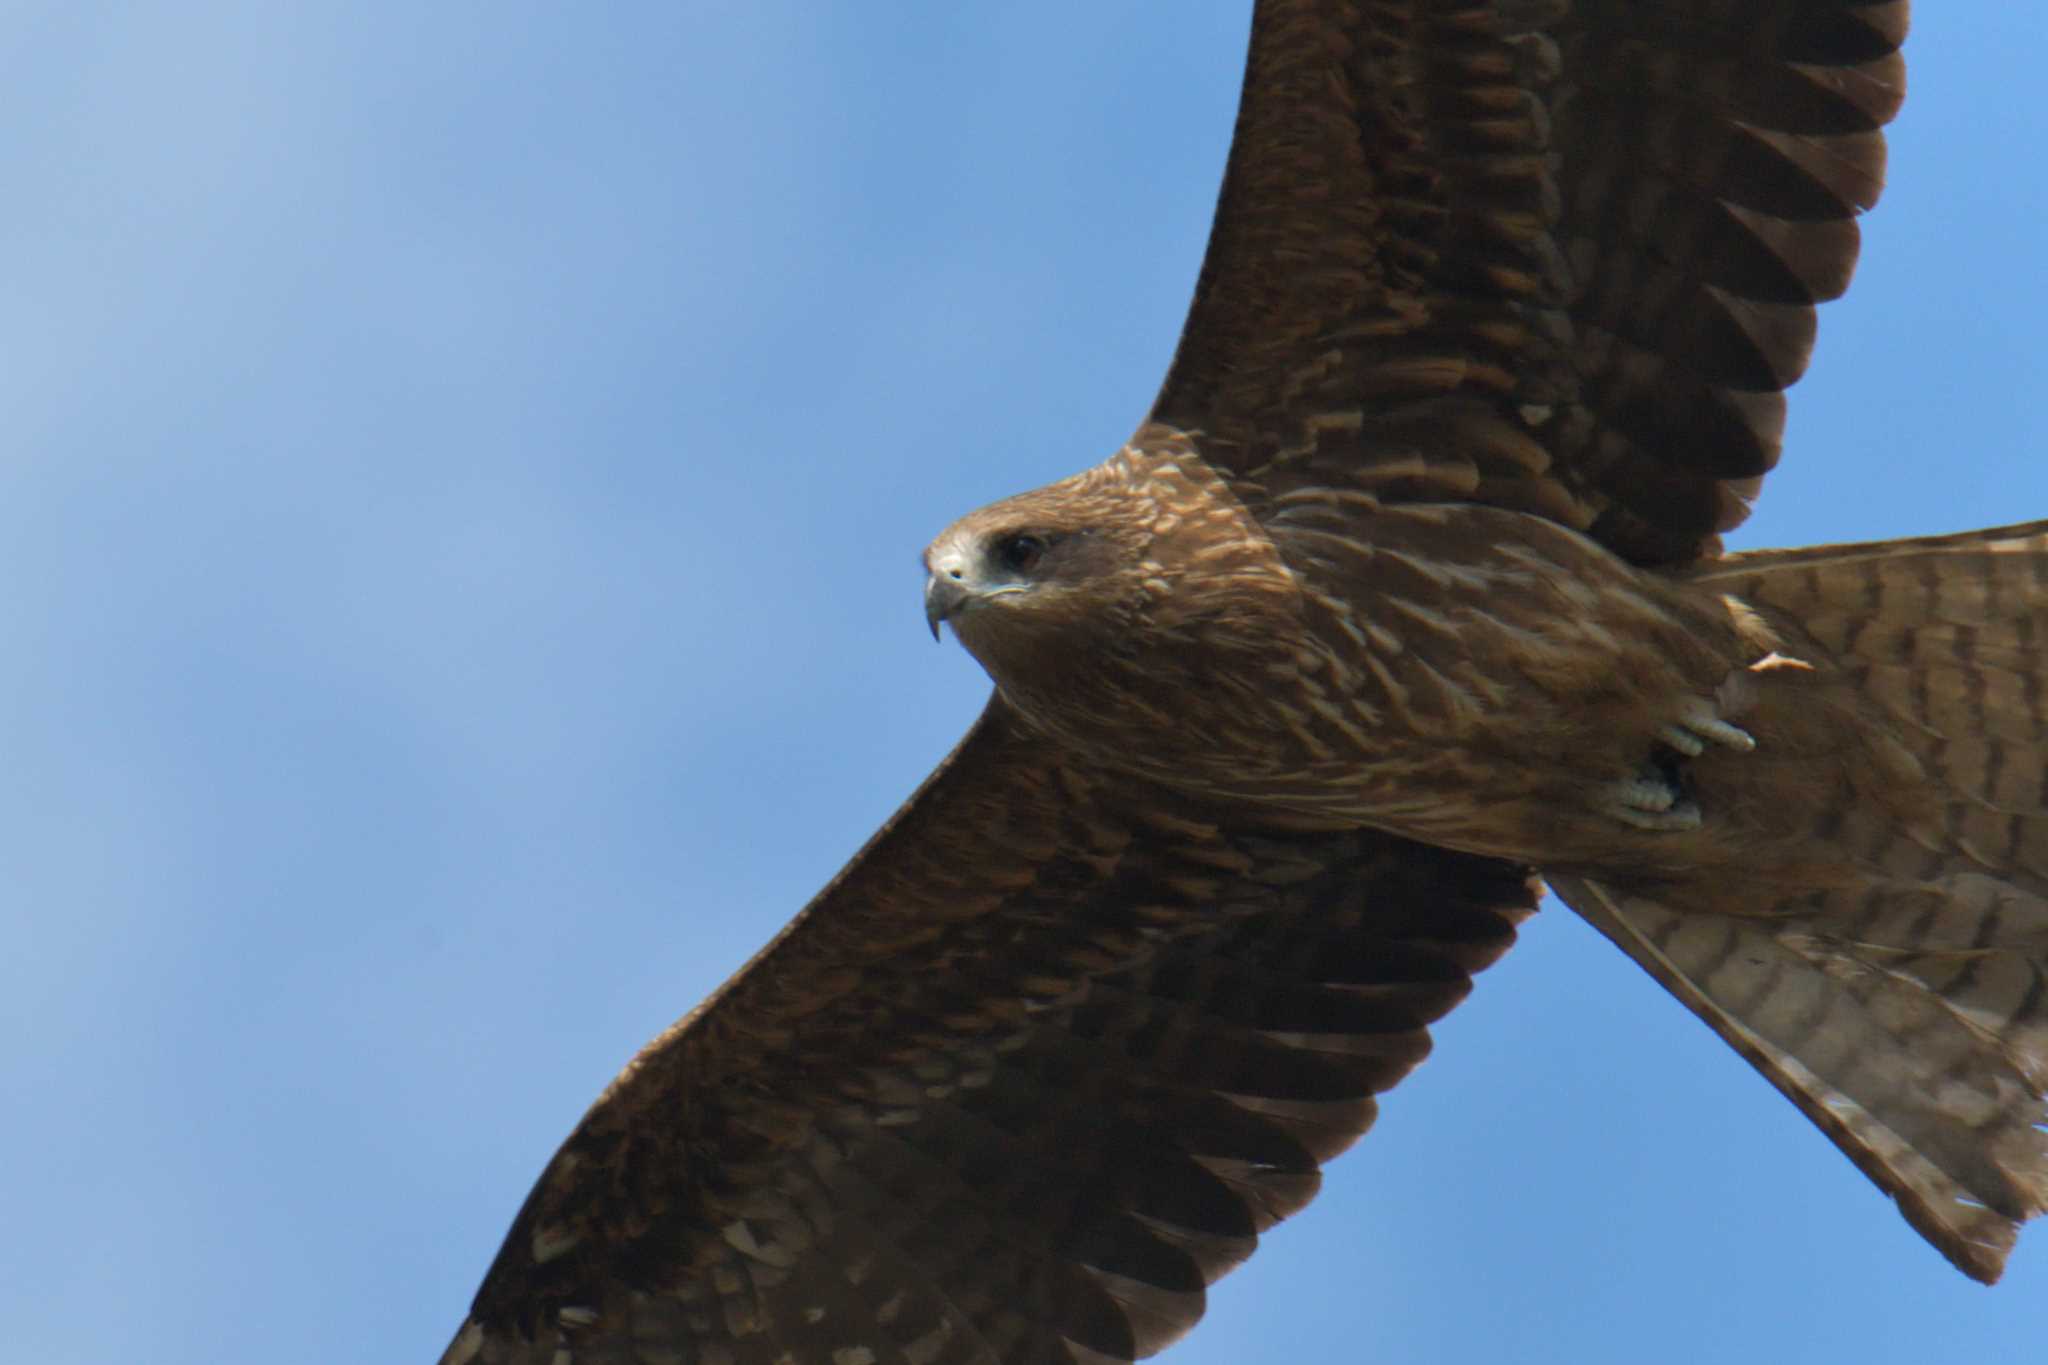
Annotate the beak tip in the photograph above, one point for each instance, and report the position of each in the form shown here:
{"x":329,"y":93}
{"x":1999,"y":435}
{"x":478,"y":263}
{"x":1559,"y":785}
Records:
{"x":942,"y":598}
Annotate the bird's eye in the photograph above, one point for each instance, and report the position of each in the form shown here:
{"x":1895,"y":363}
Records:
{"x":1020,"y":554}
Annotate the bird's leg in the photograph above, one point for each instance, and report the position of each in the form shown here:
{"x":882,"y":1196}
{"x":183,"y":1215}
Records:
{"x":1658,"y":796}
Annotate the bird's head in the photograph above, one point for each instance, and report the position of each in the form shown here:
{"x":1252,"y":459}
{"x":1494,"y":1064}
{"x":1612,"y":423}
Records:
{"x":1043,"y":569}
{"x":1115,"y":563}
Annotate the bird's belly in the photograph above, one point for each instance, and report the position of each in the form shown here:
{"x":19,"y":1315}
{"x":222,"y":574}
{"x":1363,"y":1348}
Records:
{"x":1468,"y":677}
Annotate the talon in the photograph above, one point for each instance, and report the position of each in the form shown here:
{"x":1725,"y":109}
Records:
{"x":1644,"y":793}
{"x":1701,"y":723}
{"x":1680,"y":817}
{"x":1721,"y":732}
{"x":1651,"y":803}
{"x":1683,"y":740}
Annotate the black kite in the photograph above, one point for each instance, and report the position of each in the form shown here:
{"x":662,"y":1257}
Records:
{"x":1408,"y":592}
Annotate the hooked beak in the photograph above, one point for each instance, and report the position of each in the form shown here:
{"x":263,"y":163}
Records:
{"x":944,"y":596}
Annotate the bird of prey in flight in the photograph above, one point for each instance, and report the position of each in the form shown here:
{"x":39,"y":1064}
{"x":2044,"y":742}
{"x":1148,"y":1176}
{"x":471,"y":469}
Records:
{"x":1406,"y":598}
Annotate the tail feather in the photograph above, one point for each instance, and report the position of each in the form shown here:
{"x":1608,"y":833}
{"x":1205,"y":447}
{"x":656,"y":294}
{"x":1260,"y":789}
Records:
{"x":1904,"y":1008}
{"x":1947,"y":633}
{"x":1927,"y":1102}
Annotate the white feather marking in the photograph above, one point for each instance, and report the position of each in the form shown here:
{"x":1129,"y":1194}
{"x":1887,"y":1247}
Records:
{"x":739,"y":1235}
{"x":1457,"y":700}
{"x":551,"y":1240}
{"x":1441,"y":572}
{"x":1396,"y":693}
{"x":1333,"y":713}
{"x":1415,"y":611}
{"x":1222,"y":549}
{"x":1388,"y":642}
{"x":1319,"y":496}
{"x":1428,"y":513}
{"x":1317,"y":750}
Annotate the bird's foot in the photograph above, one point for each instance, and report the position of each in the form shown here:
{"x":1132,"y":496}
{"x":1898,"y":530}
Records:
{"x":1659,"y":795}
{"x":1652,"y":800}
{"x":1698,"y":725}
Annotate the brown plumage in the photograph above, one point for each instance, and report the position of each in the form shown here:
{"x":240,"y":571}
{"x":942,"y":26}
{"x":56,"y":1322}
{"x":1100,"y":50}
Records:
{"x":1408,"y":588}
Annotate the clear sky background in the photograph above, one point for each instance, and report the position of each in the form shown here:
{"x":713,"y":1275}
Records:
{"x":462,"y":479}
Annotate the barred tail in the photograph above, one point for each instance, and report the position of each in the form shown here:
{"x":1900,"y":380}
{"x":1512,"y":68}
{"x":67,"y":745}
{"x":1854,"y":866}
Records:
{"x":1904,"y":1009}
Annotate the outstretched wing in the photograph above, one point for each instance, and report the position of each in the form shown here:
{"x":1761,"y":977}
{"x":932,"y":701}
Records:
{"x":1039,"y":1065}
{"x":1557,"y":255}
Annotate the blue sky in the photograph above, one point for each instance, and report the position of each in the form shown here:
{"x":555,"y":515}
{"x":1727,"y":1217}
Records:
{"x":464,"y":473}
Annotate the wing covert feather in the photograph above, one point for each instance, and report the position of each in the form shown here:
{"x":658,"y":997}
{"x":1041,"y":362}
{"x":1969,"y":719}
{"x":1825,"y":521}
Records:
{"x":1564,"y":253}
{"x":1036,"y":1068}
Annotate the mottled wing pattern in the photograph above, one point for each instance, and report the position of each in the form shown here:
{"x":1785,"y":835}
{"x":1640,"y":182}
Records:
{"x":1555,"y":255}
{"x":1036,"y":1068}
{"x":1905,"y":1010}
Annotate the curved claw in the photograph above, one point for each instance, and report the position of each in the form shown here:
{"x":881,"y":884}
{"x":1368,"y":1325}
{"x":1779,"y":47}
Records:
{"x":1658,"y":796}
{"x":1683,"y":740}
{"x":1643,"y":794}
{"x":1649,"y":803}
{"x":1699,"y":724}
{"x":1680,"y":817}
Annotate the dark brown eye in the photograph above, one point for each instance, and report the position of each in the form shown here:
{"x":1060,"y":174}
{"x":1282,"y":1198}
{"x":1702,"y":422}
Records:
{"x":1020,"y":554}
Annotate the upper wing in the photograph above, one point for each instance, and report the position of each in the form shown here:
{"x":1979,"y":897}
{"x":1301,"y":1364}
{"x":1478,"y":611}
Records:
{"x":1039,"y":1065}
{"x":1559,"y":255}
